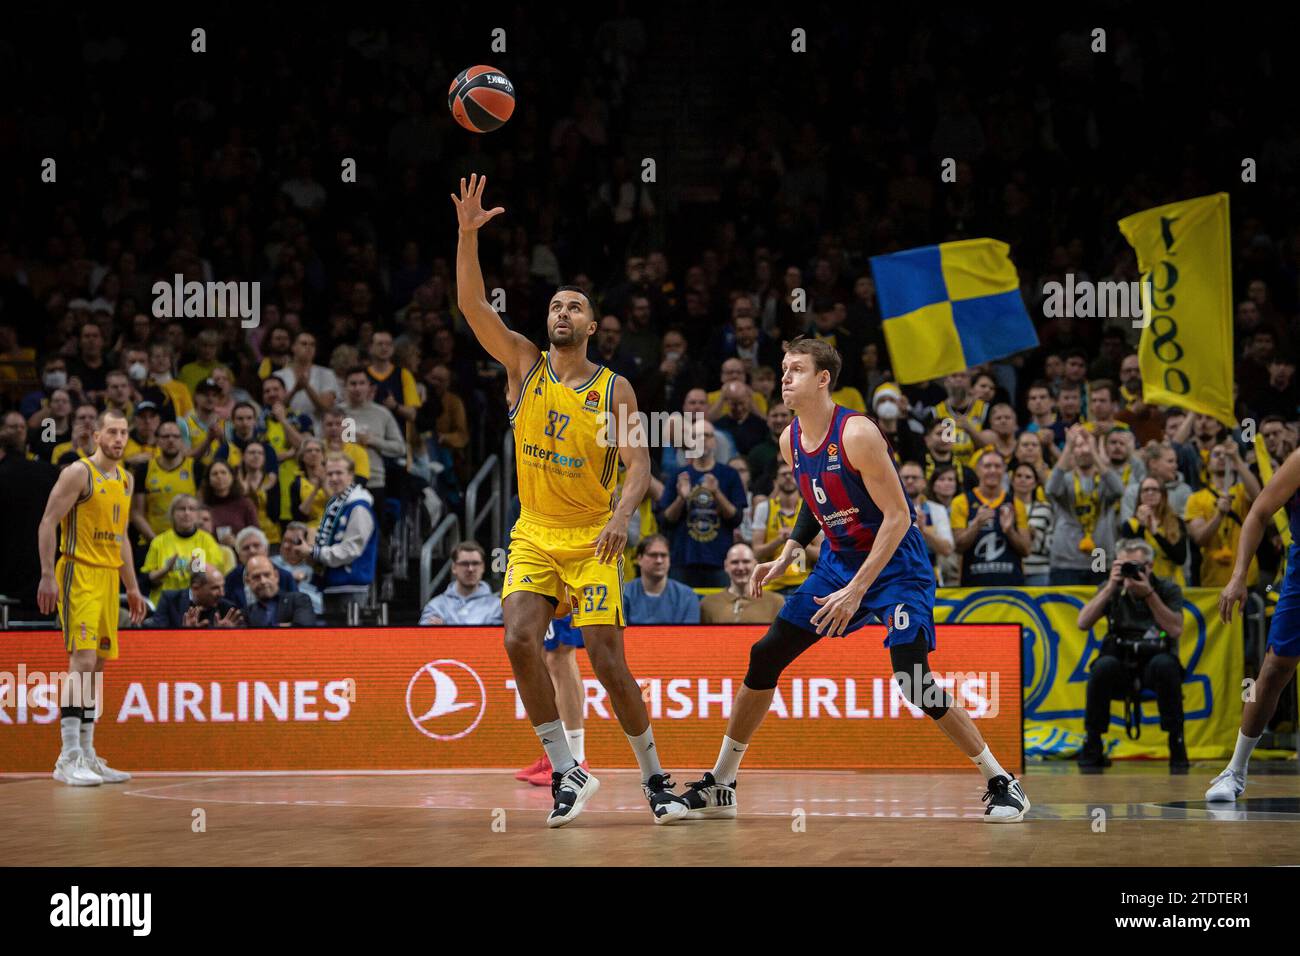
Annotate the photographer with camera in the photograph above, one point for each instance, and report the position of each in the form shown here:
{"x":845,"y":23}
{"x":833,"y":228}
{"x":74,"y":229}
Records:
{"x":1140,"y":651}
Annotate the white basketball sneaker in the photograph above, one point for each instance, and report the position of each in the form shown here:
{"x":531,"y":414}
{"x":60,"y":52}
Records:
{"x":96,"y":763}
{"x":1226,"y":787}
{"x":571,"y":790}
{"x":73,"y":770}
{"x":709,"y":800}
{"x":1006,"y":800}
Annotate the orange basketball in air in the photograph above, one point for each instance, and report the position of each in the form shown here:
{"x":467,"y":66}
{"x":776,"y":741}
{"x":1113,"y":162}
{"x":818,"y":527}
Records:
{"x":481,"y":98}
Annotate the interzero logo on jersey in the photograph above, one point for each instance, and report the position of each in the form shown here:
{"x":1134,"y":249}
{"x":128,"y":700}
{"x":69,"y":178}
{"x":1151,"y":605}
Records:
{"x":36,"y":696}
{"x":545,"y":454}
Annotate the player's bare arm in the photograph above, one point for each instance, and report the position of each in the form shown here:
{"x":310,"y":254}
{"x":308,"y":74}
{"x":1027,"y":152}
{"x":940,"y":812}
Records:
{"x":636,"y":459}
{"x":508,"y":347}
{"x":1273,"y":496}
{"x":775,"y":568}
{"x":134,"y":599}
{"x":867,"y":451}
{"x":63,"y":497}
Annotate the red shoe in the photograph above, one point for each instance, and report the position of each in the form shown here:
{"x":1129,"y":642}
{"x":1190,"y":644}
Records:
{"x":543,"y":777}
{"x":541,"y":765}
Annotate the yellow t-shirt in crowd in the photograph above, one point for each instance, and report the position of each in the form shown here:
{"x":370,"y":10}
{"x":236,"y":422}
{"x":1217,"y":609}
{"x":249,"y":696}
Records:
{"x":1220,"y":553}
{"x":169,"y":543}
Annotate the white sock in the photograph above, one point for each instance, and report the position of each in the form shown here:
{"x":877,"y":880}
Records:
{"x":1241,"y":753}
{"x":989,"y":765}
{"x":87,"y":737}
{"x":577,"y":743}
{"x":728,"y":765}
{"x":70,"y":733}
{"x":647,"y":758}
{"x":557,"y":748}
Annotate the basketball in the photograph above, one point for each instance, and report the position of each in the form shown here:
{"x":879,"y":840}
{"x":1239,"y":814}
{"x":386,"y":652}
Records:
{"x":481,"y":98}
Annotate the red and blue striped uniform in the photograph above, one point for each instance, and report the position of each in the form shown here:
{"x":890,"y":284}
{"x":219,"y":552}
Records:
{"x":1284,"y":630}
{"x":902,"y":596}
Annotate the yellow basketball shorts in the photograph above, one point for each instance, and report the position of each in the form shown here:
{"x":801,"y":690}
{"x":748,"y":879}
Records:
{"x":87,"y":604}
{"x":561,"y":563}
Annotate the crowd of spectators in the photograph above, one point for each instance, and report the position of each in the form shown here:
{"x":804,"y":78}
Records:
{"x":360,"y":396}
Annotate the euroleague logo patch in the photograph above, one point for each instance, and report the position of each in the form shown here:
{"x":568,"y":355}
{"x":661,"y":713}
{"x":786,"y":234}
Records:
{"x":445,"y":699}
{"x":593,"y":401}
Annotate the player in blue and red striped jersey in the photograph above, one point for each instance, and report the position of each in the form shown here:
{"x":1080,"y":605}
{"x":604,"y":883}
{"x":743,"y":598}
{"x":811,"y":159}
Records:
{"x":874,"y":565}
{"x":1283,"y":653}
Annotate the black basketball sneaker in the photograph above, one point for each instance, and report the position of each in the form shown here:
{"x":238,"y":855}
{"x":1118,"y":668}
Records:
{"x":571,"y":790}
{"x":1006,"y":800}
{"x":710,"y":800}
{"x":667,"y":806}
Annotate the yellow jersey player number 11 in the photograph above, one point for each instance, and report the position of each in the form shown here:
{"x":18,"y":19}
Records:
{"x":89,"y":506}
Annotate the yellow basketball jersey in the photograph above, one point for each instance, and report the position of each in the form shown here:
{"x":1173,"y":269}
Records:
{"x":776,"y":520}
{"x":161,"y":486}
{"x":566,"y":463}
{"x":94,"y":527}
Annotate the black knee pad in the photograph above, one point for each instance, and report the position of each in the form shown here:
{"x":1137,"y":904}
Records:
{"x":769,"y":656}
{"x":912,"y":674}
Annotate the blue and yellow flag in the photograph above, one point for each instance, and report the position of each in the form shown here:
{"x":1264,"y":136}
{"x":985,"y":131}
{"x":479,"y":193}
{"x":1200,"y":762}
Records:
{"x":1184,"y":252}
{"x":949,"y":307}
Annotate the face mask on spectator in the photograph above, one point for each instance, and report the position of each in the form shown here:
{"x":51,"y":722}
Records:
{"x":55,"y":379}
{"x":887,"y":410}
{"x":138,"y":371}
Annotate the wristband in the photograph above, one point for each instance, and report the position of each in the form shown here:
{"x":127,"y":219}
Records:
{"x":806,"y":527}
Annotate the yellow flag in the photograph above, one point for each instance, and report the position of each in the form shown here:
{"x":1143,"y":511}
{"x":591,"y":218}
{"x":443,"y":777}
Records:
{"x":1186,"y":347}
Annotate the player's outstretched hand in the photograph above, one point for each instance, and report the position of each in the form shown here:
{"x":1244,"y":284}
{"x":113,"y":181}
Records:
{"x":612,"y":541}
{"x":836,"y":611}
{"x":135,"y":604}
{"x":1234,"y":594}
{"x":763,"y":573}
{"x":469,"y":206}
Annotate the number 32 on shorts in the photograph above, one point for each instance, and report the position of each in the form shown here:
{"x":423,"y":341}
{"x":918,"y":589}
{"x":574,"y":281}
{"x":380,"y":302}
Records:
{"x":594,"y":596}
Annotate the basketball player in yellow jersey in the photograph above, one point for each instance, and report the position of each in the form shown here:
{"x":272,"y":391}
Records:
{"x":568,"y":414}
{"x":90,"y":504}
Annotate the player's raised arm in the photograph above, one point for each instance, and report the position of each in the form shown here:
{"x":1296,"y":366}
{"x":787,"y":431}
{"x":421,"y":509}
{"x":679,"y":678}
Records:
{"x":508,"y":347}
{"x":1274,"y":495}
{"x":63,"y":496}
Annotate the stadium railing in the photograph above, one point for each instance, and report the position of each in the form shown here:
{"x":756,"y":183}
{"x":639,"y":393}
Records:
{"x":429,"y":582}
{"x":476,"y":511}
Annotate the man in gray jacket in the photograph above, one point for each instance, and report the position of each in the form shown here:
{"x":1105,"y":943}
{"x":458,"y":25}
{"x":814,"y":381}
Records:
{"x":468,"y":599}
{"x":1083,"y":489}
{"x":375,"y":429}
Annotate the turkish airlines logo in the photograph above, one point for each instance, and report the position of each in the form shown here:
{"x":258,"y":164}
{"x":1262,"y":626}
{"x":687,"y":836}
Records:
{"x":443,"y":702}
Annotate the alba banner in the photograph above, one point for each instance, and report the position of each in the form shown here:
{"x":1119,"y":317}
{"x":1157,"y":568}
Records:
{"x":1184,"y":253}
{"x":1058,"y":656}
{"x":422,"y":698}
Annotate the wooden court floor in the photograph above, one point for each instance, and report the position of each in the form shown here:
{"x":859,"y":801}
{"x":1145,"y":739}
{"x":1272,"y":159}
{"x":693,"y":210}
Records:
{"x":802,"y":818}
